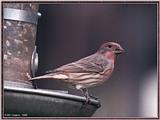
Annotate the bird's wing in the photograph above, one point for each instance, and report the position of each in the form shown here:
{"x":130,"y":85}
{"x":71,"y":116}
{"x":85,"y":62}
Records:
{"x":93,"y":63}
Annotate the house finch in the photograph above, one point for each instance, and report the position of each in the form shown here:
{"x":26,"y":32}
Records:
{"x":89,"y":71}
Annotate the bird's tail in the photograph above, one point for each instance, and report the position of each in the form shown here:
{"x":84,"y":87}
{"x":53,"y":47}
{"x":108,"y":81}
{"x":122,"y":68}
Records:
{"x":41,"y":77}
{"x":52,"y":76}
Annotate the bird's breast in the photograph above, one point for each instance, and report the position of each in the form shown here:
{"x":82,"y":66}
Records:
{"x":107,"y":72}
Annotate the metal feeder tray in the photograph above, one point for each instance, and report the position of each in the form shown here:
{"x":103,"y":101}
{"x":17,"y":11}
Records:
{"x":45,"y":103}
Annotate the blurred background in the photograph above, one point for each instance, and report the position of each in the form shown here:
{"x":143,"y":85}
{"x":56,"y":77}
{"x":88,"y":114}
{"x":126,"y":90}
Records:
{"x":68,"y":32}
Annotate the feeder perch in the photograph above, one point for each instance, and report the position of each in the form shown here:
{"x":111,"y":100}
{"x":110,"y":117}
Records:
{"x":43,"y":103}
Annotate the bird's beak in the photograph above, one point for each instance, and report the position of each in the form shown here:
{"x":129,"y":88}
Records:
{"x":120,"y":51}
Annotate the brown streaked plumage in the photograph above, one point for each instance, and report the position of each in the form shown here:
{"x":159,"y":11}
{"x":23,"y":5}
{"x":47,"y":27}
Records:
{"x":89,"y":71}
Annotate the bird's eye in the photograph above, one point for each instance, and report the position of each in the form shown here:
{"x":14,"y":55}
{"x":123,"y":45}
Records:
{"x":109,"y":46}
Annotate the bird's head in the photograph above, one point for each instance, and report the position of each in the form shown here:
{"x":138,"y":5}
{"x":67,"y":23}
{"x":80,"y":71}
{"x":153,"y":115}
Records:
{"x":111,"y":47}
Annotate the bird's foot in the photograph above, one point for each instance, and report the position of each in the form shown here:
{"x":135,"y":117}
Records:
{"x":94,"y":97}
{"x":89,"y":97}
{"x":88,"y":100}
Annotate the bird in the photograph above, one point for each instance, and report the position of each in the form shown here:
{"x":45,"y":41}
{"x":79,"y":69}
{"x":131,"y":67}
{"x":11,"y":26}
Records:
{"x":89,"y":71}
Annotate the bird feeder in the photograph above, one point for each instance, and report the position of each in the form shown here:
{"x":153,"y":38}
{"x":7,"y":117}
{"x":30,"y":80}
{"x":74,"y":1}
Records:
{"x":19,"y":36}
{"x":20,"y":61}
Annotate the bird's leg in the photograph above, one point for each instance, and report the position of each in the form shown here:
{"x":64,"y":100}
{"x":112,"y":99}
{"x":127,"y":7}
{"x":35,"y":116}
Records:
{"x":88,"y":97}
{"x":86,"y":94}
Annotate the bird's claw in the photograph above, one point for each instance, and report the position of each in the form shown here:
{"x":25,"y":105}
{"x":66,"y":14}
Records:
{"x":88,"y":100}
{"x":94,"y":97}
{"x":89,"y":97}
